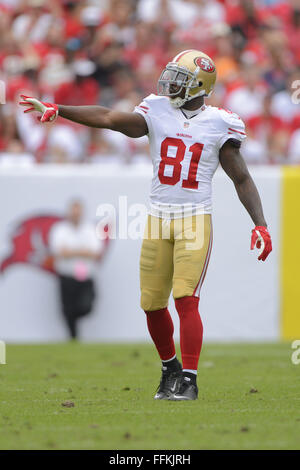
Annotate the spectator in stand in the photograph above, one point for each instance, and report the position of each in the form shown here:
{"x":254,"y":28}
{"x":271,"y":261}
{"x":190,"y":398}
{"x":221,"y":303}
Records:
{"x":271,"y":131}
{"x":33,"y":24}
{"x":224,"y":55}
{"x":120,"y":25}
{"x":247,"y":99}
{"x":284,"y":102}
{"x":82,"y":89}
{"x":145,"y":57}
{"x":12,"y":151}
{"x":15,"y":155}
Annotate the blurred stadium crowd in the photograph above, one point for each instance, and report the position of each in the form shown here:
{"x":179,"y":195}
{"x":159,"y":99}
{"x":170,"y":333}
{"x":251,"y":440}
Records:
{"x":111,"y":52}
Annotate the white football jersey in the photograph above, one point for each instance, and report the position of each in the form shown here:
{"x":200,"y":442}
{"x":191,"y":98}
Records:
{"x":185,"y":154}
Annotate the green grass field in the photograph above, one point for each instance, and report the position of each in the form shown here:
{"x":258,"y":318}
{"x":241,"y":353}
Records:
{"x":249,"y":399}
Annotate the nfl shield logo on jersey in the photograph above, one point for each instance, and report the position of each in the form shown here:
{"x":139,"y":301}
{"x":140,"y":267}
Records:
{"x":186,"y":124}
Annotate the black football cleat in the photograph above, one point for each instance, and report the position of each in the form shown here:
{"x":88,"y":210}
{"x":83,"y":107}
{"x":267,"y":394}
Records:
{"x":188,"y":390}
{"x":169,"y":382}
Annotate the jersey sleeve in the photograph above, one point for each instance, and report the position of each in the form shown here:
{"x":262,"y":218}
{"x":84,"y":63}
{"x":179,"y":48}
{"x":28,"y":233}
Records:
{"x":145,"y":109}
{"x":230,"y":126}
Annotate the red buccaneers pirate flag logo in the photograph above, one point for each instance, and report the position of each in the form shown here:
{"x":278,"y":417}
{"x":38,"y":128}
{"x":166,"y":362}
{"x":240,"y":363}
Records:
{"x":30,"y":243}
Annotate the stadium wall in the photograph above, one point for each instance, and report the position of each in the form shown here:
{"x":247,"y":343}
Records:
{"x":242,"y":299}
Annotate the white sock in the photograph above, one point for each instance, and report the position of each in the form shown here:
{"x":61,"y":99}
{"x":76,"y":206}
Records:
{"x":190,"y":371}
{"x":168,"y":360}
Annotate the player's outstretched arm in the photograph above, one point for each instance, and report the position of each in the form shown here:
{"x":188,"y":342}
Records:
{"x":234,"y":165}
{"x":130,"y":124}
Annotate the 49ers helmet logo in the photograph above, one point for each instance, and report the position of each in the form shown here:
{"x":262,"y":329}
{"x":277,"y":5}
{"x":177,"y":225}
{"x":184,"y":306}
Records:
{"x":205,"y":64}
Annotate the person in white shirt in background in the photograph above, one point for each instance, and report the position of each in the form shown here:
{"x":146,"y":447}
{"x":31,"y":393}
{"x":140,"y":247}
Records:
{"x":76,"y":252}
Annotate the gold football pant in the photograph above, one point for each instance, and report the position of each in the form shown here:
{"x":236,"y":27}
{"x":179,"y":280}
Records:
{"x":175,"y":255}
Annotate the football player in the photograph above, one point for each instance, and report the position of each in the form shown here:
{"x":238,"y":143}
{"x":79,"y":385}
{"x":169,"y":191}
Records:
{"x":187,"y":139}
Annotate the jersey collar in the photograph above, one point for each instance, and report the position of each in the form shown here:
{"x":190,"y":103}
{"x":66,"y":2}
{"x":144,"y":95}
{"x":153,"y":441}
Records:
{"x":190,"y":114}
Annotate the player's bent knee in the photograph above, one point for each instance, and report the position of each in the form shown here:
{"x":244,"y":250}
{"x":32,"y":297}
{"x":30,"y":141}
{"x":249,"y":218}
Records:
{"x":183,"y":288}
{"x":150,"y":301}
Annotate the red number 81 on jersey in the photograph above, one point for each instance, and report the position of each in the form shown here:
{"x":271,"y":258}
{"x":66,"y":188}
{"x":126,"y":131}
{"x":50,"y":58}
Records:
{"x":196,"y":150}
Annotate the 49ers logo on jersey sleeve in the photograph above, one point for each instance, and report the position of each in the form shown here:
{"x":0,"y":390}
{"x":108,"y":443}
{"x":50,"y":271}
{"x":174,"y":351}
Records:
{"x":205,"y":64}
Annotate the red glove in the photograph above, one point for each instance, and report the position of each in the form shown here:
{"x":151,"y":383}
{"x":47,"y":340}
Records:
{"x":49,"y":110}
{"x":262,"y":240}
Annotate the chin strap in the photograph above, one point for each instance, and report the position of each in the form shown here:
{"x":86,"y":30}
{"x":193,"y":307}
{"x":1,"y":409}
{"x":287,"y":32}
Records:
{"x":179,"y":102}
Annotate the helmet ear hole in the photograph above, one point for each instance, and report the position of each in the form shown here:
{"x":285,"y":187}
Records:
{"x":200,"y":83}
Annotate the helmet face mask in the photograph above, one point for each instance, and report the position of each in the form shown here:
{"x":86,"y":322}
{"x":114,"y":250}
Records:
{"x":190,"y":71}
{"x":173,"y":79}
